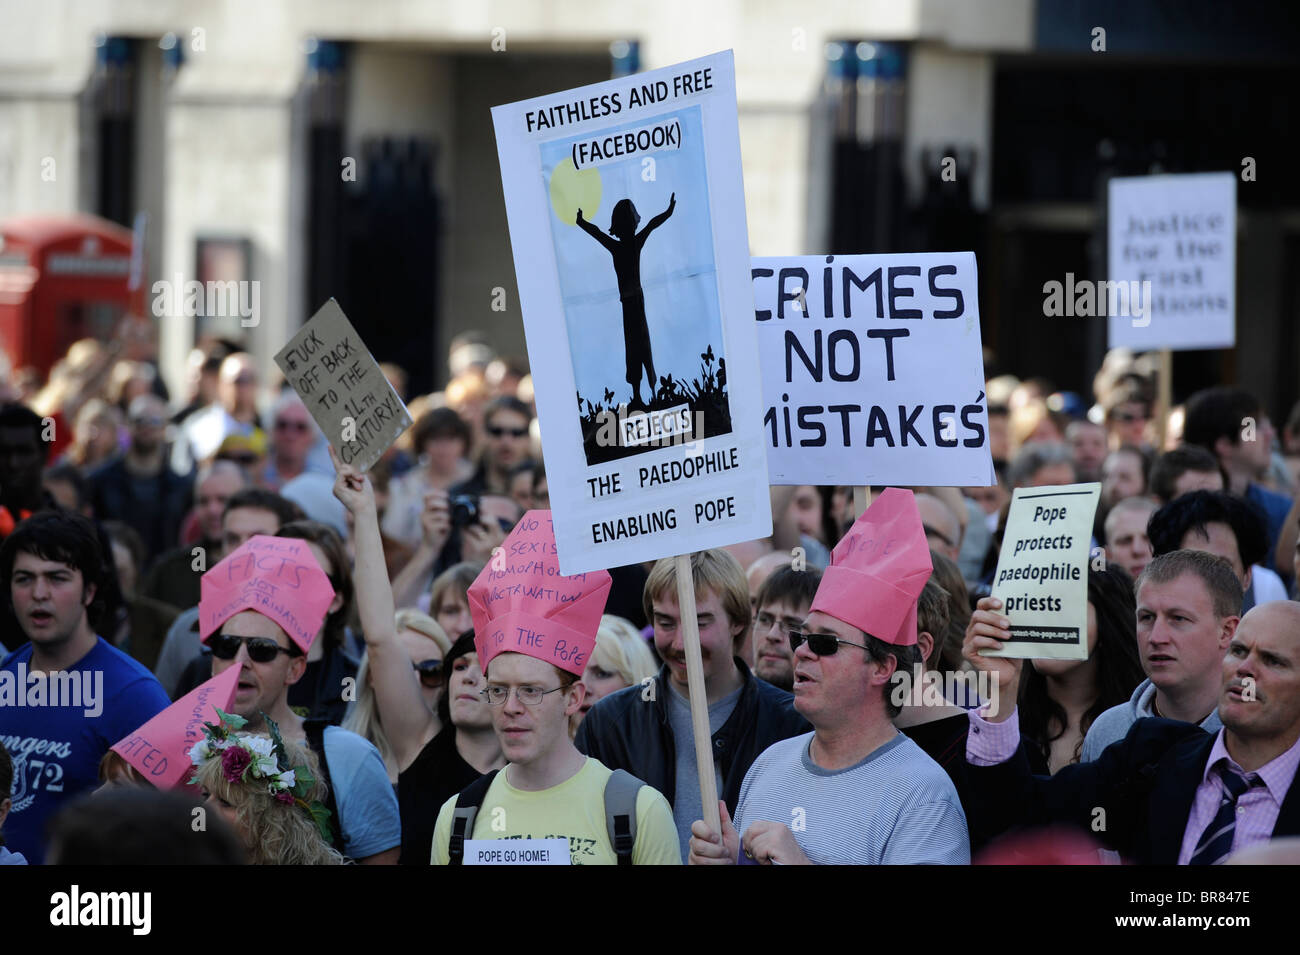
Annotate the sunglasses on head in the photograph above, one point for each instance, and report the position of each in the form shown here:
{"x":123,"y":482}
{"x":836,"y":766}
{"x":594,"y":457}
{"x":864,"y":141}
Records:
{"x":821,"y":644}
{"x":225,"y":646}
{"x":430,"y":672}
{"x":498,"y":432}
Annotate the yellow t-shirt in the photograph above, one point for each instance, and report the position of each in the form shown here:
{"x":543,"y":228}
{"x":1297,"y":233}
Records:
{"x":573,"y":810}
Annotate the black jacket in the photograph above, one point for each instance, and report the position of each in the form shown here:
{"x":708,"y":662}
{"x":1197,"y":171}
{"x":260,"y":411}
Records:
{"x":156,"y":517}
{"x":626,"y":731}
{"x":1146,"y":783}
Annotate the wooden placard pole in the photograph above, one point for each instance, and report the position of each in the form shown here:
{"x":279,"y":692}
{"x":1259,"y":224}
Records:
{"x":1165,"y":397}
{"x":695,"y":686}
{"x":861,"y":501}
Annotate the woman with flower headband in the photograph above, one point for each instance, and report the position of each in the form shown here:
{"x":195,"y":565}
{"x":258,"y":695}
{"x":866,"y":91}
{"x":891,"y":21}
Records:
{"x":267,"y":788}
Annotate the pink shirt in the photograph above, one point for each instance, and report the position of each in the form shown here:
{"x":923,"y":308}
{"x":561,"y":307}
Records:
{"x":1258,"y":807}
{"x":988,"y":744}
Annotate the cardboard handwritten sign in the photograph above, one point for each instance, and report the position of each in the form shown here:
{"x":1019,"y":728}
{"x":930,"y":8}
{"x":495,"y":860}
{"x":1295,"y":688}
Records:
{"x":626,"y":207}
{"x":330,"y":367}
{"x":872,"y":369}
{"x":521,"y":603}
{"x":1042,"y":575}
{"x":276,"y":576}
{"x":1173,"y":250}
{"x":160,"y":749}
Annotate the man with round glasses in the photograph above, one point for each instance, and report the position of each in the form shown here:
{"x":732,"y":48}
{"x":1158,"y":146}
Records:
{"x":261,"y":609}
{"x":855,"y":790}
{"x":534,"y":632}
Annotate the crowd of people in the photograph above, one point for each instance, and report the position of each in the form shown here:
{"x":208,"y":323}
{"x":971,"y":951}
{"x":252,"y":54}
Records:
{"x":377,"y":723}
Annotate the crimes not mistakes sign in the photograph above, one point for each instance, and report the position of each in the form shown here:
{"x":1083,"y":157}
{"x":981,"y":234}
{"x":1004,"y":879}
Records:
{"x":627,"y":220}
{"x":872,"y":369}
{"x":338,"y":379}
{"x":1042,"y":575}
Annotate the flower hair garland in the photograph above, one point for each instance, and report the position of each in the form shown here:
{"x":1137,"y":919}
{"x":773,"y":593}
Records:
{"x":246,"y":757}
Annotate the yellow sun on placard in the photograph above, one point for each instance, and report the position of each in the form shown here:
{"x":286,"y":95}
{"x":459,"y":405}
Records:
{"x":573,"y":189}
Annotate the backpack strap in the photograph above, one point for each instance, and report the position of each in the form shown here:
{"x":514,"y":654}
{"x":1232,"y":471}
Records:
{"x":462,"y":820}
{"x":620,"y":813}
{"x":315,"y":730}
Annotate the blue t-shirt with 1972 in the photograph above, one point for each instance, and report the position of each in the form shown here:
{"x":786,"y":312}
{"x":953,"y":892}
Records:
{"x":56,"y":749}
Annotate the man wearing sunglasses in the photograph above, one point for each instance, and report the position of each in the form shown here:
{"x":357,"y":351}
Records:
{"x":505,"y":446}
{"x":294,"y":435}
{"x":534,"y":650}
{"x":247,"y":512}
{"x":254,"y":639}
{"x":855,"y":790}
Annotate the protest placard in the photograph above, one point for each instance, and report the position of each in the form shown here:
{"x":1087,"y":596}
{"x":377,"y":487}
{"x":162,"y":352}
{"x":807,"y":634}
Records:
{"x":627,"y":220}
{"x":872,"y":369}
{"x":338,"y":379}
{"x":278,"y":577}
{"x":160,"y":749}
{"x":1042,"y":575}
{"x":1172,"y":257}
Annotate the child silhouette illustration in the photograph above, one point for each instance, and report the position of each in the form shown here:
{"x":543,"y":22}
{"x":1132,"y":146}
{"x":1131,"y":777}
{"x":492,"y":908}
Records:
{"x":625,"y":248}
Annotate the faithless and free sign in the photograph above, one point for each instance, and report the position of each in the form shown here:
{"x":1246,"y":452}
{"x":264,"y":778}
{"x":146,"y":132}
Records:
{"x":1042,"y":575}
{"x":1173,"y":254}
{"x":872,"y":369}
{"x":338,"y":379}
{"x":627,"y":219}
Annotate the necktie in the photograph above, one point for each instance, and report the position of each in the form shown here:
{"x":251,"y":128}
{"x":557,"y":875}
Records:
{"x":1216,"y":841}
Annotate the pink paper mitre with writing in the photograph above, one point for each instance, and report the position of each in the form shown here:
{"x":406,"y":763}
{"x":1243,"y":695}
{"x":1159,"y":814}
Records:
{"x":879,"y":569}
{"x":520,"y":602}
{"x":160,"y":750}
{"x":276,"y":576}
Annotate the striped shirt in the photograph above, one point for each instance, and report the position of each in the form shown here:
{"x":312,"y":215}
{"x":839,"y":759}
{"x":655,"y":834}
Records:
{"x":896,"y":807}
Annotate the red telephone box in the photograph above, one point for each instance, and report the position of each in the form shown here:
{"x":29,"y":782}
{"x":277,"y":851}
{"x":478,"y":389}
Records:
{"x":62,"y":278}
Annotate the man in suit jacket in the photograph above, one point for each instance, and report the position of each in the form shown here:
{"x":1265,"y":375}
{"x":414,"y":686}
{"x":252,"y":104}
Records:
{"x":1168,"y":792}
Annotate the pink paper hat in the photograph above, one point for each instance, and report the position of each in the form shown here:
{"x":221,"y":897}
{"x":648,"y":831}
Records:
{"x":520,"y":603}
{"x":160,"y":750}
{"x":277,"y":577}
{"x":879,"y":569}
